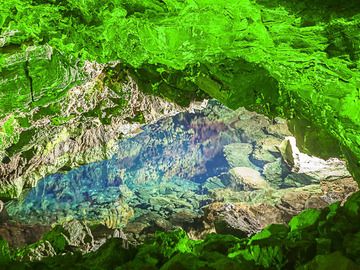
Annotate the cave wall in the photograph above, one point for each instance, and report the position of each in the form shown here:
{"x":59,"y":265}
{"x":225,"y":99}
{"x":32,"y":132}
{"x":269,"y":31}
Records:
{"x":286,"y":58}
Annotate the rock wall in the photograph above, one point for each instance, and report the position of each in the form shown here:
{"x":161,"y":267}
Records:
{"x":290,"y":58}
{"x":81,"y":126}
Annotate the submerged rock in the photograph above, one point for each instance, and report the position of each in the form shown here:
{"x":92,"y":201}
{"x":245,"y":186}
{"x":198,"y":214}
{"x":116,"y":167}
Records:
{"x":172,"y":171}
{"x":237,"y":154}
{"x":247,"y":179}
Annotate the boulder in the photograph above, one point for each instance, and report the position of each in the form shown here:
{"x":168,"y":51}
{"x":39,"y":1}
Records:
{"x":38,"y":251}
{"x":290,"y":153}
{"x":274,"y":172}
{"x":266,"y":150}
{"x":237,"y":154}
{"x":240,"y":219}
{"x":79,"y":234}
{"x":247,"y":179}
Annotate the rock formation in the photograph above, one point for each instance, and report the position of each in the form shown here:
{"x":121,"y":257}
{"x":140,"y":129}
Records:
{"x":77,"y":76}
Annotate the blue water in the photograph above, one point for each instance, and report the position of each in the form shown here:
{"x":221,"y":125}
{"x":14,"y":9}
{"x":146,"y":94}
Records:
{"x":180,"y":152}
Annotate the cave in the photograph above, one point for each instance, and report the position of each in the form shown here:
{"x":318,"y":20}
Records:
{"x":179,"y":134}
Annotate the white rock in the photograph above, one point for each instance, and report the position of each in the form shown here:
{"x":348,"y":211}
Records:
{"x":314,"y":167}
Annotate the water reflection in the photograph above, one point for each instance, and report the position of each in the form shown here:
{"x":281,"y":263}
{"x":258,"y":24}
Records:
{"x":178,"y":153}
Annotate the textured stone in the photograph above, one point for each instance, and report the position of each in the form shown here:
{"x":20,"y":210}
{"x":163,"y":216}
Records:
{"x":79,"y":234}
{"x":312,"y":169}
{"x":18,"y":235}
{"x":247,"y":178}
{"x":80,"y":128}
{"x":241,"y":219}
{"x":237,"y":154}
{"x":38,"y":251}
{"x":283,"y":61}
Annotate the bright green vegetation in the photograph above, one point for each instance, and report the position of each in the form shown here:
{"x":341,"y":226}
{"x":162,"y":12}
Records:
{"x":8,"y":133}
{"x":328,"y":238}
{"x":292,"y":58}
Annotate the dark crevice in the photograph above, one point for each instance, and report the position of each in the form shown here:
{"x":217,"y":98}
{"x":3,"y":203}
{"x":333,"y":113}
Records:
{"x":27,"y":74}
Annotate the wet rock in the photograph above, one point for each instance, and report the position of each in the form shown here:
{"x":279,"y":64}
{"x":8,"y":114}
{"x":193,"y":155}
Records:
{"x":241,"y":219}
{"x":81,"y":128}
{"x":237,"y":154}
{"x":266,"y":150}
{"x":101,"y":233}
{"x":279,"y":128}
{"x":213,"y":183}
{"x":38,"y":251}
{"x":116,"y":215}
{"x":186,"y":220}
{"x":298,"y":180}
{"x":293,"y":202}
{"x":3,"y":213}
{"x":307,"y":169}
{"x":315,"y":202}
{"x":338,"y":190}
{"x":290,"y":152}
{"x":247,"y":179}
{"x":273,"y":206}
{"x":79,"y":234}
{"x":159,"y":179}
{"x":274,"y":172}
{"x":136,"y":227}
{"x":252,"y":131}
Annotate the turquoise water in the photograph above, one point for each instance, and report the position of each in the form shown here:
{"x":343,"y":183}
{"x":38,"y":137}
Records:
{"x":173,"y":156}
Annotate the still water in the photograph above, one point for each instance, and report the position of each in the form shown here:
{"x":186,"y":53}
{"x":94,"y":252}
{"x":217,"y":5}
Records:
{"x":169,"y":163}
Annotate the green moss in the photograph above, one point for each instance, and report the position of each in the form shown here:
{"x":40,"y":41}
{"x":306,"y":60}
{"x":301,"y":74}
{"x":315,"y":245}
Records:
{"x":24,"y":138}
{"x":287,"y":58}
{"x":305,"y":219}
{"x":9,"y":132}
{"x":59,"y":120}
{"x":57,"y":238}
{"x":282,"y":58}
{"x":5,"y":256}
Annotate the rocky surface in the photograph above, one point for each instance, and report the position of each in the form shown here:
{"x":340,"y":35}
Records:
{"x":207,"y":170}
{"x":311,"y":240}
{"x":286,"y":58}
{"x":81,"y":127}
{"x":295,"y":59}
{"x":245,"y":213}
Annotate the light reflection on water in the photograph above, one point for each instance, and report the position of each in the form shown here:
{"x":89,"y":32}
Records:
{"x":177,"y":153}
